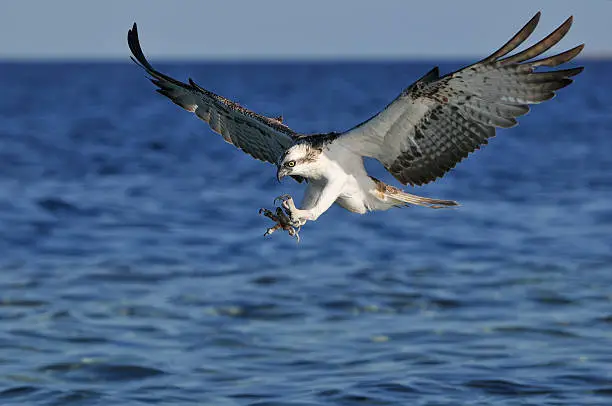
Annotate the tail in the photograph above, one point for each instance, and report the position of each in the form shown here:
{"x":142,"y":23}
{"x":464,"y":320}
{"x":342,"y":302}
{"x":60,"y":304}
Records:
{"x":401,"y":198}
{"x":407,"y":198}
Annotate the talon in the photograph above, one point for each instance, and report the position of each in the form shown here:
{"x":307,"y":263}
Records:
{"x":271,"y":230}
{"x":282,"y":198}
{"x":296,"y":223}
{"x":296,"y":234}
{"x":284,"y":217}
{"x":265,"y":212}
{"x":269,"y":215}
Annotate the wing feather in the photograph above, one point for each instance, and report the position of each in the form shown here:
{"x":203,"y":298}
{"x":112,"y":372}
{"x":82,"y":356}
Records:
{"x":558,"y":59}
{"x":542,"y":46}
{"x":262,"y":137}
{"x":437,"y":121}
{"x":515,"y":41}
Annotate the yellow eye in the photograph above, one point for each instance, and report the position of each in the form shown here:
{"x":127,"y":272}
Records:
{"x":291,"y":164}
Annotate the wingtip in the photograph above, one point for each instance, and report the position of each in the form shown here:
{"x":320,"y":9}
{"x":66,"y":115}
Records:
{"x":132,"y":36}
{"x":133,"y":32}
{"x":134,"y":45}
{"x":559,"y":59}
{"x":567,"y":24}
{"x":195,"y":86}
{"x":577,"y":50}
{"x":516,"y":40}
{"x":535,"y":20}
{"x":543,"y":45}
{"x":577,"y":70}
{"x":565,"y":27}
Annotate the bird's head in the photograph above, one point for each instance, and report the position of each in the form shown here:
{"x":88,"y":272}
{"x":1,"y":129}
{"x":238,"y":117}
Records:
{"x":299,"y":160}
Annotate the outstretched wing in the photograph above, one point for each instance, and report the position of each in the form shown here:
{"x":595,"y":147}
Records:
{"x":438,"y":121}
{"x":262,"y":137}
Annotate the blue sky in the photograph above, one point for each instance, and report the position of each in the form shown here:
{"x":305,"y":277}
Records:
{"x":207,"y":29}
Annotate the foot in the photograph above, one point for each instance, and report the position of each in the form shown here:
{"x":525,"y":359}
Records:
{"x":282,"y":222}
{"x":297,"y":217}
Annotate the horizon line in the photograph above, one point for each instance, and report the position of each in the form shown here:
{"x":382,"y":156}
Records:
{"x":271,"y":58}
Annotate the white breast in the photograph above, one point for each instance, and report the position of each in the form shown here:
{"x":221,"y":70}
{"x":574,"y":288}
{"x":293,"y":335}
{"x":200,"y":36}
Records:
{"x":353,"y":197}
{"x":354,"y":193}
{"x":342,"y":166}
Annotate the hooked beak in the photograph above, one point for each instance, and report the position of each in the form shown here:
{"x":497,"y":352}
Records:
{"x":281,"y":173}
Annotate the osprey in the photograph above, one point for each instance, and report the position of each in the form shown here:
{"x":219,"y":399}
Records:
{"x":430,"y":127}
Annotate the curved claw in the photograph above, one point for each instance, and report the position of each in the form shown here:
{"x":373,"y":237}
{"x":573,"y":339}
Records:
{"x":283,"y":218}
{"x":296,"y":233}
{"x":267,"y":213}
{"x":271,"y":230}
{"x":282,"y":198}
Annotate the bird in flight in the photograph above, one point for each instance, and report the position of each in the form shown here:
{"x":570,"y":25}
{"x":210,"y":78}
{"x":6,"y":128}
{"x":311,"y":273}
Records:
{"x":431,"y":126}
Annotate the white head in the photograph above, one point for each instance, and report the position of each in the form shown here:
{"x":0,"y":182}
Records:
{"x":300,"y":160}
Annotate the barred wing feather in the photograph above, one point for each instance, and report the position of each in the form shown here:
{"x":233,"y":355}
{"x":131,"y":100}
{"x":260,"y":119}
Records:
{"x":437,"y":121}
{"x":262,"y":137}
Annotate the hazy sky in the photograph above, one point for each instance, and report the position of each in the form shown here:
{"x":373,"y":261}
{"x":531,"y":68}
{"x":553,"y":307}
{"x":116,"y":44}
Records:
{"x":79,"y":29}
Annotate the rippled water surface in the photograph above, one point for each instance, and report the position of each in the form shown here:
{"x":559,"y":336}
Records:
{"x":133,"y":269}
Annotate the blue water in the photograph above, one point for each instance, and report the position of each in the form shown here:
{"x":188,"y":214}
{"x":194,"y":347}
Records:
{"x":133,"y":269}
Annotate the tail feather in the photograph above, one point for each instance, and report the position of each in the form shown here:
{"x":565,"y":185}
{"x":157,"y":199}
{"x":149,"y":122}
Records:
{"x":402,"y":198}
{"x":408,"y":198}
